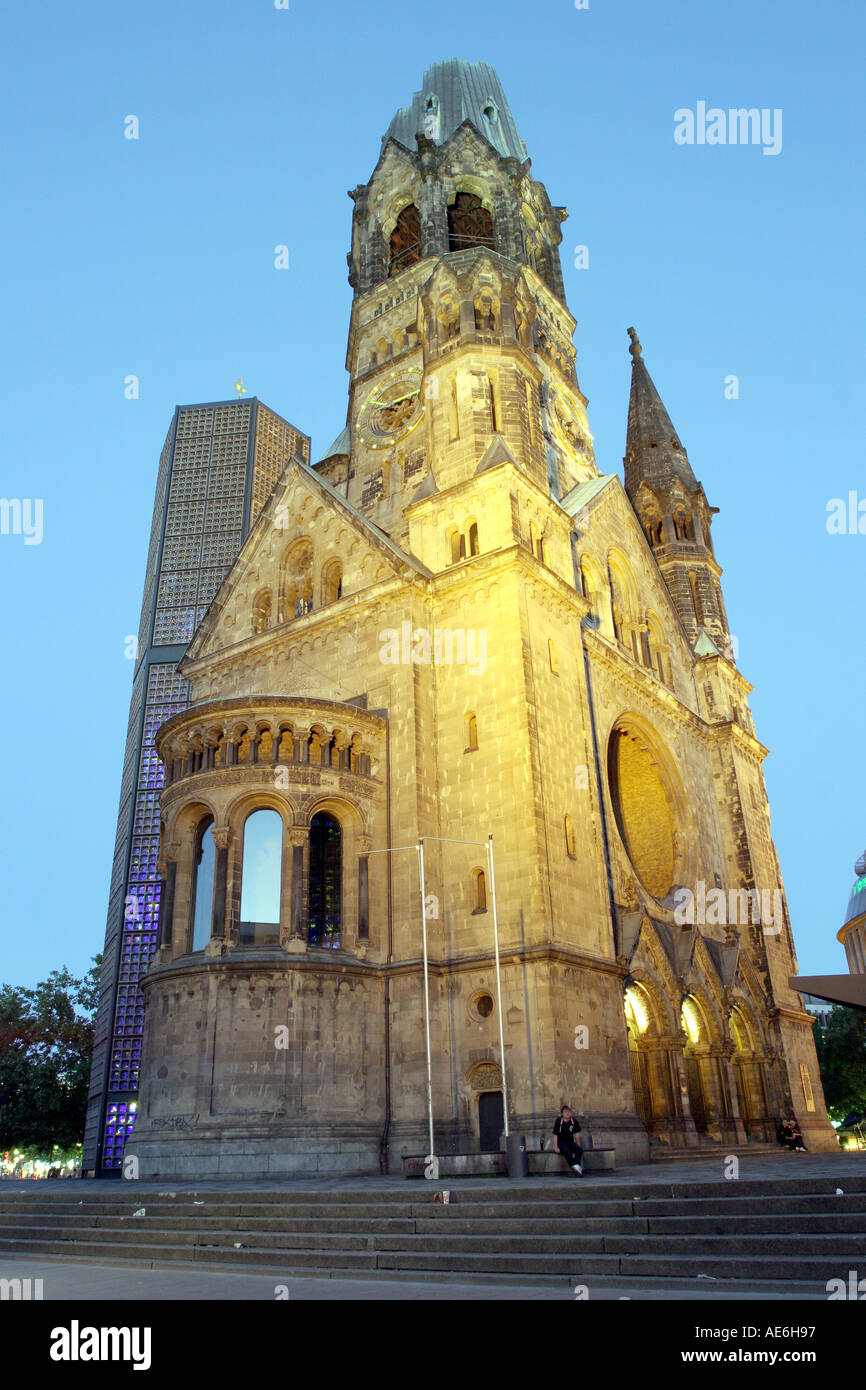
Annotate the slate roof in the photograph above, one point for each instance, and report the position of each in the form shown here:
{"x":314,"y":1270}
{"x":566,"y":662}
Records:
{"x":583,"y":493}
{"x":341,"y":445}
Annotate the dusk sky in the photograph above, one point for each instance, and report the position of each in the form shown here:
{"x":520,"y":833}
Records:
{"x":155,"y":257}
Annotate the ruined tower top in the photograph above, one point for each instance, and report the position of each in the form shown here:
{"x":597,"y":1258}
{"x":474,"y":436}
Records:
{"x":454,"y":91}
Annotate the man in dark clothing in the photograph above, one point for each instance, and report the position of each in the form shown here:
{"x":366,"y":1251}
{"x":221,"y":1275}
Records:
{"x":566,"y":1140}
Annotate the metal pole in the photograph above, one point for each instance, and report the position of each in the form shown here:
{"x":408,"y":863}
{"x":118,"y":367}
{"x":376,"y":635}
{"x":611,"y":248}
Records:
{"x":498,"y":981}
{"x":426,"y":995}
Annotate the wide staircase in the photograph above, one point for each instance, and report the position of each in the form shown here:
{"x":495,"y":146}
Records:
{"x":749,"y":1235}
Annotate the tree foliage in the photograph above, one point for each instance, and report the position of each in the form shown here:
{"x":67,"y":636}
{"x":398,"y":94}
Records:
{"x":841,"y":1046}
{"x":46,"y":1042}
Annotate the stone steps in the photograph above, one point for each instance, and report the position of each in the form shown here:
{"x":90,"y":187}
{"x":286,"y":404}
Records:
{"x":663,"y":1153}
{"x":787,"y":1232}
{"x":805,"y":1270}
{"x":571,"y":1227}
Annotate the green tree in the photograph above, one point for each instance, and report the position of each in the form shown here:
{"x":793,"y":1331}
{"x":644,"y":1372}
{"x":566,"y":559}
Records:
{"x":46,"y":1042}
{"x":841,"y":1046}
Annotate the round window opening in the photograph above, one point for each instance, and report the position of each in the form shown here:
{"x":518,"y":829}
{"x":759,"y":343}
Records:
{"x":484,"y":1005}
{"x":643,"y":806}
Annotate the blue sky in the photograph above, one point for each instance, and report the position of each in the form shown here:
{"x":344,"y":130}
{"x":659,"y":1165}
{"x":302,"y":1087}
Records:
{"x":155,"y":257}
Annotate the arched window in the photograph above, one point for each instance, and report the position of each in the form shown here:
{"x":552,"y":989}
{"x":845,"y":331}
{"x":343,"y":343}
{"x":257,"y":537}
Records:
{"x":570,"y":846}
{"x":473,"y":538}
{"x":457,"y":543}
{"x":242,"y":752}
{"x":326,"y":881}
{"x":449,"y":320}
{"x":536,"y":541}
{"x":332,"y":582}
{"x":469,"y":223}
{"x":655,"y":648}
{"x":471,"y":733}
{"x":298,"y":581}
{"x":619,"y":604}
{"x":490,"y":392}
{"x":261,"y":879}
{"x":696,"y":598}
{"x":201,"y":899}
{"x":262,"y":610}
{"x":480,"y":891}
{"x":453,"y":410}
{"x":551,"y":656}
{"x":592,"y":585}
{"x":405,"y":245}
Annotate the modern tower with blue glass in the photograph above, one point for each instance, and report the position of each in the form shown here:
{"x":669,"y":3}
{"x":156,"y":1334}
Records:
{"x":218,"y":467}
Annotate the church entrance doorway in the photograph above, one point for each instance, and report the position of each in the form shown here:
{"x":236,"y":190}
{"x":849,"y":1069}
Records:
{"x":491,"y":1120}
{"x":697,"y":1104}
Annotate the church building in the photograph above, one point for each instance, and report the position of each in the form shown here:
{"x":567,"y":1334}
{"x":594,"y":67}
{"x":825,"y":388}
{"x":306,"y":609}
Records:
{"x":451,"y":627}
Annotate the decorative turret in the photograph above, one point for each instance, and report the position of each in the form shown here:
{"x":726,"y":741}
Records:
{"x":672,"y":508}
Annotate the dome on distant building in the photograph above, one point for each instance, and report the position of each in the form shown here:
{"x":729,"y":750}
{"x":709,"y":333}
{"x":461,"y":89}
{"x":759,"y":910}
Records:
{"x":857,"y":900}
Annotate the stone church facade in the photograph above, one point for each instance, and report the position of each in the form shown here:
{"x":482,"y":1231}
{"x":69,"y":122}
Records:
{"x":453,"y":626}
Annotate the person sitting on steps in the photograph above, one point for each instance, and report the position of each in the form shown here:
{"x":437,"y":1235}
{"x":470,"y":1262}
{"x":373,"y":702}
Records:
{"x":566,"y":1140}
{"x":790,"y":1136}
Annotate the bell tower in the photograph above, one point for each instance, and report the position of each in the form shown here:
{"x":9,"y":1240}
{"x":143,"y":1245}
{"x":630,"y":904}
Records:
{"x":460,"y":352}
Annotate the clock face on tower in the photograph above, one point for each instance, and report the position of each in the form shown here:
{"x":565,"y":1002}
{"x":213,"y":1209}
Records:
{"x":568,"y":420}
{"x":393,"y":409}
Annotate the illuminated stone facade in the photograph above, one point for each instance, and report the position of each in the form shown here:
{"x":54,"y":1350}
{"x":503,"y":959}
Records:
{"x":454,"y":626}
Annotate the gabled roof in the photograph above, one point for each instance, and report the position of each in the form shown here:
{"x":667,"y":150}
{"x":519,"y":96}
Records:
{"x":705,"y":646}
{"x":497,"y":451}
{"x":264,"y":520}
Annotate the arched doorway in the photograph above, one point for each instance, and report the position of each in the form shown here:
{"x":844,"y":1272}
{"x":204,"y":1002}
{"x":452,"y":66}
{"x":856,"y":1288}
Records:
{"x":485,"y":1081}
{"x":637,"y":1024}
{"x":748,"y":1075}
{"x":695,"y":1031}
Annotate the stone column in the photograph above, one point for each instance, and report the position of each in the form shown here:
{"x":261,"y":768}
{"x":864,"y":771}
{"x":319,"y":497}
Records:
{"x":222,"y":839}
{"x":167,"y":869}
{"x":299,"y":842}
{"x":726,"y":1061}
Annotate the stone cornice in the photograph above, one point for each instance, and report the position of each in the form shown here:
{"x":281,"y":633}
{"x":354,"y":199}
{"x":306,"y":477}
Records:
{"x":642,"y":681}
{"x":264,"y":959}
{"x":256,"y":705}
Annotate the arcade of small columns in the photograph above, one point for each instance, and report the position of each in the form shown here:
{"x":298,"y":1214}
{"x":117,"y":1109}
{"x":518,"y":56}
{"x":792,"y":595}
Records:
{"x":693,"y":1080}
{"x":226,"y":761}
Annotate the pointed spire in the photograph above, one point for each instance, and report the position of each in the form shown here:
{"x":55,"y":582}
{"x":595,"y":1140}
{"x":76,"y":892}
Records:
{"x":653,"y":451}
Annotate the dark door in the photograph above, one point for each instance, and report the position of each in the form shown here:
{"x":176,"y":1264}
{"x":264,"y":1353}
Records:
{"x":695,"y":1083}
{"x":491,"y":1120}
